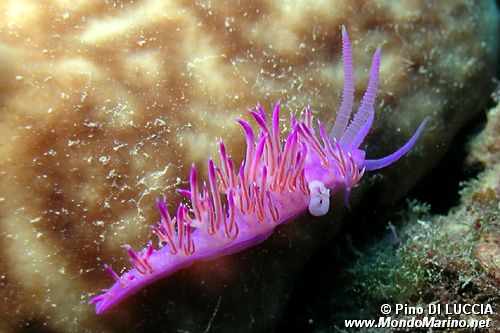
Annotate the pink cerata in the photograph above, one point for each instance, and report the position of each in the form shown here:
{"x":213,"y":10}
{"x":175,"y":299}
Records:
{"x":277,"y":181}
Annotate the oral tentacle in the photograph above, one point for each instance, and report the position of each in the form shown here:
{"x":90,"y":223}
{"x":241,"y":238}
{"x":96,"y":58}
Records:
{"x":388,"y":160}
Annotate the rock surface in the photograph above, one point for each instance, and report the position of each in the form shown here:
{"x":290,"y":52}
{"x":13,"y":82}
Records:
{"x":104,"y":105}
{"x":484,"y":196}
{"x":415,"y":255}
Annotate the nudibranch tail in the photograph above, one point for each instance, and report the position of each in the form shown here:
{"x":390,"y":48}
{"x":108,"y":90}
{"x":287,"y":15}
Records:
{"x":279,"y":179}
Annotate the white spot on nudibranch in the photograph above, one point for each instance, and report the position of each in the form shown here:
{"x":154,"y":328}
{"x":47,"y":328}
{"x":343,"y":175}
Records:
{"x":320,"y":198}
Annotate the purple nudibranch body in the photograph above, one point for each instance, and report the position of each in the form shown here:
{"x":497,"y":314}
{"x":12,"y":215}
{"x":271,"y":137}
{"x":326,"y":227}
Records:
{"x":276,"y":182}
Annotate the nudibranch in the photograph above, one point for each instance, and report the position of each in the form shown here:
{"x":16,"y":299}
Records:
{"x":277,"y":181}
